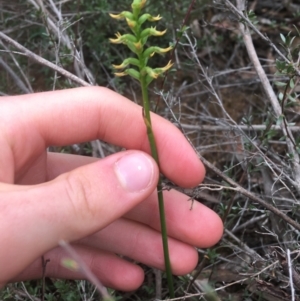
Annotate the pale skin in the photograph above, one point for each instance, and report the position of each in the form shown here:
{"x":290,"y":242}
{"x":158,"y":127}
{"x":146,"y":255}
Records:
{"x":103,"y":207}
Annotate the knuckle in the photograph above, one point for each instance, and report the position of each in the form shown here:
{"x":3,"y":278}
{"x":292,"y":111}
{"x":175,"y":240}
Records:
{"x":78,"y":190}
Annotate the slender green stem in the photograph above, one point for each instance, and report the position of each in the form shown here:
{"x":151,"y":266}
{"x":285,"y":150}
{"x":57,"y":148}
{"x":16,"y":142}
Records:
{"x":154,"y":152}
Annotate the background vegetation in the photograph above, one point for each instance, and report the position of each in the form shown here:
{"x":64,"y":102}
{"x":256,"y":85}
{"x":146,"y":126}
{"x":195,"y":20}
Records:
{"x":234,"y":91}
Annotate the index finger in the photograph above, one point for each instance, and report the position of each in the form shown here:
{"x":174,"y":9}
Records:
{"x":84,"y":114}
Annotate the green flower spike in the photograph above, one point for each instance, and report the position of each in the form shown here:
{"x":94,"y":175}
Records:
{"x":145,"y":74}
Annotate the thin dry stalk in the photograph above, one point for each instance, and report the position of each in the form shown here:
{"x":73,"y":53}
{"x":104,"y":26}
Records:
{"x":84,"y":269}
{"x":288,"y":255}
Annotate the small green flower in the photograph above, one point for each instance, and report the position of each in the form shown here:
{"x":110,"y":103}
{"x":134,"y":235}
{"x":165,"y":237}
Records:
{"x":132,"y":72}
{"x":152,"y":74}
{"x":138,"y":4}
{"x":167,"y":67}
{"x":152,"y":50}
{"x":126,"y":62}
{"x":123,"y":39}
{"x":147,"y":17}
{"x":122,"y":15}
{"x":117,"y":40}
{"x":153,"y":19}
{"x":132,"y":24}
{"x":152,"y":32}
{"x":139,"y":46}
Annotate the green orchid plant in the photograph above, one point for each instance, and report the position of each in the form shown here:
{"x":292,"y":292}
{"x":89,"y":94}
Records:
{"x":138,"y":68}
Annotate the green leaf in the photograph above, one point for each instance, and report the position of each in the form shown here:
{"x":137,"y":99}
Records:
{"x":280,"y":65}
{"x":291,"y":41}
{"x":292,"y":99}
{"x":279,"y":119}
{"x":283,"y":39}
{"x":280,"y":84}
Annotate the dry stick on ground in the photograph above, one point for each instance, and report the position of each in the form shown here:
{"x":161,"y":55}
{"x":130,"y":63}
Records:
{"x":288,"y":255}
{"x":270,"y":95}
{"x":42,"y":61}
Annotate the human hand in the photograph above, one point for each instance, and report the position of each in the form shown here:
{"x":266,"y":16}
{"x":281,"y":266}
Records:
{"x":103,"y":206}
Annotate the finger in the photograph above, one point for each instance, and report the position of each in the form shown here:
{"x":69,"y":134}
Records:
{"x":110,"y":269}
{"x":192,"y":223}
{"x":144,"y":245}
{"x":84,"y":114}
{"x":205,"y":228}
{"x":72,"y":206}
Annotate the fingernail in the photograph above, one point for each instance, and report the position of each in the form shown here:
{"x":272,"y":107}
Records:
{"x":134,"y":171}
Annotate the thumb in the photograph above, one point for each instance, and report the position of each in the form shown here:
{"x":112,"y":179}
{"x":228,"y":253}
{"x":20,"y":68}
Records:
{"x":72,"y":206}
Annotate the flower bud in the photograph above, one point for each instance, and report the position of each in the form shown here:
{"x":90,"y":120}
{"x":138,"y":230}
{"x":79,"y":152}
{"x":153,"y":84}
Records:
{"x":152,"y":73}
{"x":138,"y":4}
{"x":132,"y":72}
{"x":131,"y":23}
{"x":123,"y":39}
{"x":128,"y":61}
{"x":154,"y":49}
{"x":147,"y":17}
